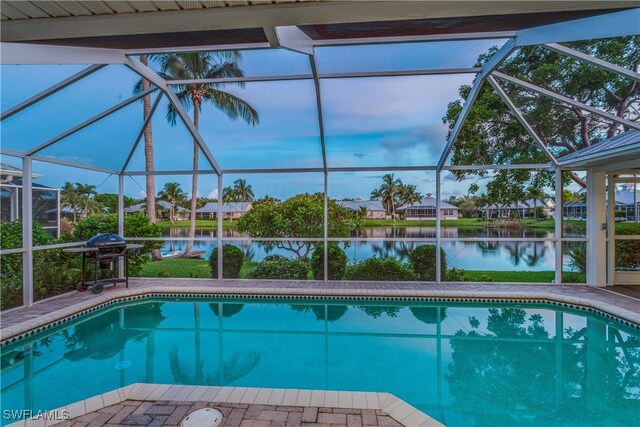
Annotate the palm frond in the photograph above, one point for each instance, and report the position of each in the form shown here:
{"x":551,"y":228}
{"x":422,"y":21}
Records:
{"x":232,"y":106}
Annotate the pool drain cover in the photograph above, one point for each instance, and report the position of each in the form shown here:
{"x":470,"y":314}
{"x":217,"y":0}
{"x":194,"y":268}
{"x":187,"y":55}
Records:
{"x":206,"y":417}
{"x":123,"y":365}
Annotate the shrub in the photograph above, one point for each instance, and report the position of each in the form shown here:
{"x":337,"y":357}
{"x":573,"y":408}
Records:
{"x":11,"y":264}
{"x":578,"y":258}
{"x":423,"y":261}
{"x":380,"y":269}
{"x":269,"y":258}
{"x":136,"y":225}
{"x":337,"y":262}
{"x":282,"y":268}
{"x":232,"y":259}
{"x":455,"y":275}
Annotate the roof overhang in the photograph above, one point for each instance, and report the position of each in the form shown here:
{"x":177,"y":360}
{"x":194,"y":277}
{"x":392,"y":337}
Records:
{"x":322,"y":21}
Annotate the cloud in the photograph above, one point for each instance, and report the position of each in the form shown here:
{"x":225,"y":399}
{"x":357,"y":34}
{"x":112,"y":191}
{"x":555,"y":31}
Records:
{"x":213,"y":194}
{"x":360,"y":155}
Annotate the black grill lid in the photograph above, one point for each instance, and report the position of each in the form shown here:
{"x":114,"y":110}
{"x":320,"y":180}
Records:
{"x":106,"y":240}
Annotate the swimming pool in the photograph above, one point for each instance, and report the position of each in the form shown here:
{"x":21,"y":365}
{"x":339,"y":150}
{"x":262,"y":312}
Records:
{"x":461,"y":363}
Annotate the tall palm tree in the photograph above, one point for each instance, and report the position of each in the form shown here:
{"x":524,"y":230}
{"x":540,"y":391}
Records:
{"x":148,"y":150}
{"x":86,"y":194}
{"x":172,"y":193}
{"x":204,"y":65}
{"x":244,"y":192}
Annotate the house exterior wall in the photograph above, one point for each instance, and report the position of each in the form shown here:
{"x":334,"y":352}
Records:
{"x":419,"y":213}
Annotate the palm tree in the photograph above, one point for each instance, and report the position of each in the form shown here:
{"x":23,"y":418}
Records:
{"x":409,"y":195}
{"x":204,"y":65}
{"x":70,"y":198}
{"x":389,"y":192}
{"x":172,"y":193}
{"x":535,"y":194}
{"x":228,"y":195}
{"x":244,"y":192}
{"x":148,"y":150}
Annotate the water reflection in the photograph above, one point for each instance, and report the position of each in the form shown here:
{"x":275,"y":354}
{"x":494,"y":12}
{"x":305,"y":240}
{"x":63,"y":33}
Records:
{"x":534,"y":364}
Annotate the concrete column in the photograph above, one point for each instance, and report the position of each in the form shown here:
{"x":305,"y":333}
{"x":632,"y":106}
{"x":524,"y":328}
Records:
{"x":596,"y":229}
{"x":27,"y":233}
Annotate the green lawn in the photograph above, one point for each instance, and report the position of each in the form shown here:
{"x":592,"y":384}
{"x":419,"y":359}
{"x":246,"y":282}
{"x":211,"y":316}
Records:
{"x":179,"y":267}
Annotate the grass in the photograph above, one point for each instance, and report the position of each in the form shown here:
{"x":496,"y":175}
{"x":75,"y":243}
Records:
{"x":180,"y":268}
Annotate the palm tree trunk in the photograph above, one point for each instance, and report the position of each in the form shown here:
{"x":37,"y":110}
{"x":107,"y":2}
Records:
{"x":148,"y":160}
{"x":194,"y":186}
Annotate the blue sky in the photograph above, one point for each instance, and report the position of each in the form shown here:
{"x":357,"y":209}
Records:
{"x":368,"y":121}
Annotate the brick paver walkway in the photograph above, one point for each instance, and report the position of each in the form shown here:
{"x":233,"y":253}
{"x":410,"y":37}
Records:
{"x":169,"y":413}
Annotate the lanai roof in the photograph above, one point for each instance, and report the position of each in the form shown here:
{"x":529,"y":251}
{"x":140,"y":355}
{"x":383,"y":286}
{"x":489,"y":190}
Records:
{"x":622,"y":147}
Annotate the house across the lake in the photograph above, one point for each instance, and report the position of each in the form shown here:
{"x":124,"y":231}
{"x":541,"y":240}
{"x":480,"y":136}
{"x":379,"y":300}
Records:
{"x":232,"y":210}
{"x":163,"y":212}
{"x":426,"y":209}
{"x":524,"y":209}
{"x":374,"y":208}
{"x":626,"y":197}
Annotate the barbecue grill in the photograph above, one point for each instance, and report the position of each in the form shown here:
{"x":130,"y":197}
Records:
{"x":107,"y":250}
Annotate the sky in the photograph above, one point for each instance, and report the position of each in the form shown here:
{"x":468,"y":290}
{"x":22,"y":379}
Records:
{"x":375,"y":121}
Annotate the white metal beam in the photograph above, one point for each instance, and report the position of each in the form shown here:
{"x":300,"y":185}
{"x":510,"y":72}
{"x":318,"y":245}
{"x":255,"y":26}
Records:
{"x":89,"y":121}
{"x":27,"y":232}
{"x":596,"y":228}
{"x":293,"y":38}
{"x":491,"y":65}
{"x":617,"y":24}
{"x":50,"y":91}
{"x":154,"y":78}
{"x":523,"y":121}
{"x":35,"y":54}
{"x":146,"y":122}
{"x":323,"y":76}
{"x":54,"y":160}
{"x":566,"y":100}
{"x":558,"y":226}
{"x":594,"y":61}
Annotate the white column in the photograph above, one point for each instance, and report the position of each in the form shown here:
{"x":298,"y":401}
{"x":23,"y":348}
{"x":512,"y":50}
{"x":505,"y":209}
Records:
{"x":438,"y":256}
{"x":611,"y":230}
{"x":558,"y":226}
{"x":121,"y":217}
{"x":27,"y":233}
{"x":325,"y":219}
{"x":596,"y":228}
{"x":219,"y":232}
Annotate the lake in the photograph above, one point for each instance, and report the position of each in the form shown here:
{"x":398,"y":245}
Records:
{"x":488,"y":255}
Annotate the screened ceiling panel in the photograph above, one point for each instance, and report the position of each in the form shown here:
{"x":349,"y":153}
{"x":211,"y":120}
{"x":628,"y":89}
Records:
{"x":69,"y":107}
{"x":104,"y":143}
{"x":172,"y":144}
{"x":403,"y":56}
{"x":21,"y":82}
{"x":287,"y":135}
{"x":390,"y":121}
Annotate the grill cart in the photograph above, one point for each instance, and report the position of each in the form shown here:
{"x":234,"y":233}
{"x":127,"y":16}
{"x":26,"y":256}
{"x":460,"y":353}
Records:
{"x":107,"y":250}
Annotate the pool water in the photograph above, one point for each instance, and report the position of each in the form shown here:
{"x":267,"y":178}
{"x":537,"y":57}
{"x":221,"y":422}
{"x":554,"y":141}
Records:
{"x":463,"y":364}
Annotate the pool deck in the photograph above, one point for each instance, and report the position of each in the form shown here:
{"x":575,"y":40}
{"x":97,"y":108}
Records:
{"x":167,"y":405}
{"x":622,"y":302}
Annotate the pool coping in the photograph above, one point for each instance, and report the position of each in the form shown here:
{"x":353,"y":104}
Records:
{"x":38,"y":324}
{"x":393,"y":406}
